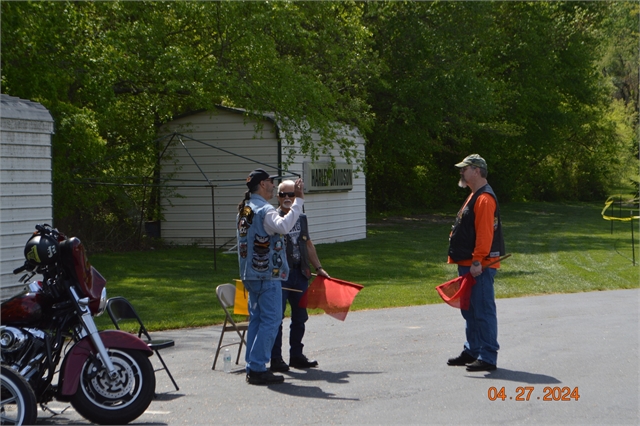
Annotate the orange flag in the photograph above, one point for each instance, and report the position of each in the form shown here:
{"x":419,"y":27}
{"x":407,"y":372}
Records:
{"x":241,"y":303}
{"x":457,"y":292}
{"x":332,"y":295}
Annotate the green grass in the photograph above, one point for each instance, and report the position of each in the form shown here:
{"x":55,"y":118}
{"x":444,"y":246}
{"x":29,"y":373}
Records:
{"x":556,"y":248}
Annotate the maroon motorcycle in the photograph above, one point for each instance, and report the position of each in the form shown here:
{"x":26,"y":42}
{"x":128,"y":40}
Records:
{"x":48,"y":333}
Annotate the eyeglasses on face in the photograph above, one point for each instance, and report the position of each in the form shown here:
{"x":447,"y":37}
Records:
{"x":286,"y":194}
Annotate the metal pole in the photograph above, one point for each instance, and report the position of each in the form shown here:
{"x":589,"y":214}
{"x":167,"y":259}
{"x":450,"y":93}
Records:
{"x":633,"y":241}
{"x":213,"y":221}
{"x":620,"y":207}
{"x":613,"y":212}
{"x":141,"y":226}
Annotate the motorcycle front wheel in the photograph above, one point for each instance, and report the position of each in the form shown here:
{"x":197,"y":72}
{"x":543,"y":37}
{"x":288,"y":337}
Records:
{"x":103,"y":400}
{"x":19,"y":405}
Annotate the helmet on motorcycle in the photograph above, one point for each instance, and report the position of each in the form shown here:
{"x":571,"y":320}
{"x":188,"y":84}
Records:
{"x":42,"y":250}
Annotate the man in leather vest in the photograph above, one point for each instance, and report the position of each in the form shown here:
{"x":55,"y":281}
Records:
{"x":475,"y":241}
{"x":263,"y":265}
{"x":301,"y":255}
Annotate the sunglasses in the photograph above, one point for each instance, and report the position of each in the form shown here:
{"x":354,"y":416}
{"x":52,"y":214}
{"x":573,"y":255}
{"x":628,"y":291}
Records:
{"x":286,"y":194}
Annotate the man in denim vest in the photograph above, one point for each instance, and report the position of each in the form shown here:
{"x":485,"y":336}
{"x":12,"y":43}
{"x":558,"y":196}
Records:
{"x":263,"y":265}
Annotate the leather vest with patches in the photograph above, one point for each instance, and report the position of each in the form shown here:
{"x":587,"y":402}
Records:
{"x":261,"y":256}
{"x":462,"y":241}
{"x":303,"y":237}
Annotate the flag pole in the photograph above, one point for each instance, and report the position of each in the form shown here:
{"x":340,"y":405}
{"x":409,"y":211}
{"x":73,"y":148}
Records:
{"x":498,"y":260}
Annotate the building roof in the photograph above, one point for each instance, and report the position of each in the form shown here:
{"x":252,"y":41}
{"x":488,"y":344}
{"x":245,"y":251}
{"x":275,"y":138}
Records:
{"x":22,"y":109}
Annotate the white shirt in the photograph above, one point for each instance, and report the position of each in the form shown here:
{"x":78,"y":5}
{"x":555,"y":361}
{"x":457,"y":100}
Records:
{"x":276,"y":224}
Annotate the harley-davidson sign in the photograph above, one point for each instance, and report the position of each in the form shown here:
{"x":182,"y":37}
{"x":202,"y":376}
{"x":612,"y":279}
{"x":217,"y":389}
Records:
{"x":321,"y":177}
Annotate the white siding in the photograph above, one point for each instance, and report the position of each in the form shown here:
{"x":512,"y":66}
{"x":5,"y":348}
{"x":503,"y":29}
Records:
{"x":336,"y":216}
{"x":25,"y":182}
{"x":189,"y":220}
{"x":333,"y":217}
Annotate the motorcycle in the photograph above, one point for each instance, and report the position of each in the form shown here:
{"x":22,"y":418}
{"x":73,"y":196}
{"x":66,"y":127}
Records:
{"x":48,"y":332}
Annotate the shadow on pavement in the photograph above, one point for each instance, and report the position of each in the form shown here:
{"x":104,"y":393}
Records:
{"x":314,"y":374}
{"x":167,"y":396}
{"x":327,"y":376}
{"x":519,"y":376}
{"x":306,"y":392}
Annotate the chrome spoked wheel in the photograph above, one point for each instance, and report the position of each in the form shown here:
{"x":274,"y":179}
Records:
{"x":19,"y":406}
{"x":119,"y":400}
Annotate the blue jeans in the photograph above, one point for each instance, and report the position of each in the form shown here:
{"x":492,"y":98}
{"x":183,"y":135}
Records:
{"x":299,"y":315}
{"x":482,"y":319}
{"x":265,"y":316}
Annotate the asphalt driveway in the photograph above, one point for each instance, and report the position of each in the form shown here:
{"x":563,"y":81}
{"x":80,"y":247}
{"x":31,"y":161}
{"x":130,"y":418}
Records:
{"x":389,"y":367}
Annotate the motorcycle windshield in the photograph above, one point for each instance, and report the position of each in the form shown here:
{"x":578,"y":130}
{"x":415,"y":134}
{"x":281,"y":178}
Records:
{"x":91,"y":282}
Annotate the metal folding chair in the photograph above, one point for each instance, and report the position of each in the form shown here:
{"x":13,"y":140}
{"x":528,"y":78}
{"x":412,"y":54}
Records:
{"x":226,"y":294}
{"x":120,"y":309}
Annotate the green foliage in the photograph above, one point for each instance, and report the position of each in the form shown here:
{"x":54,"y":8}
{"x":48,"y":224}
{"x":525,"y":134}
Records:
{"x":619,"y":63}
{"x":112,"y":73}
{"x":77,"y":145}
{"x":517,"y":82}
{"x":547,"y":92}
{"x":429,"y":98}
{"x":620,"y":59}
{"x":556,"y":248}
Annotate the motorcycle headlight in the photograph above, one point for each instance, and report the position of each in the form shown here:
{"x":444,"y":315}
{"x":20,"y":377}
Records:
{"x":103,"y":302}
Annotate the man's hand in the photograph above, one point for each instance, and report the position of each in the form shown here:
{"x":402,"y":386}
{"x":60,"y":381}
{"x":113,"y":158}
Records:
{"x":298,"y":188}
{"x":476,"y":269}
{"x":321,"y":272}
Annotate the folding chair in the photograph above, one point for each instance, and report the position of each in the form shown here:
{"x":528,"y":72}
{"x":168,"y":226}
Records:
{"x":226,"y":294}
{"x":120,"y":309}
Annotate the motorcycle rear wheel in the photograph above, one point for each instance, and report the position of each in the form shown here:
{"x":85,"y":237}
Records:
{"x":19,"y":405}
{"x":120,"y":401}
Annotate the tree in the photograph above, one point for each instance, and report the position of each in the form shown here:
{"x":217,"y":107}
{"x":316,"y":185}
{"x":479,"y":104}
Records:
{"x":112,"y":73}
{"x":430,"y":99}
{"x":619,"y":64}
{"x":545,"y":91}
{"x":514,"y":81}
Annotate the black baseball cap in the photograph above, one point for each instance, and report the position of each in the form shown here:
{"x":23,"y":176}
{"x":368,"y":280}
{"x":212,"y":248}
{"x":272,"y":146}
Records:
{"x":257,"y":176}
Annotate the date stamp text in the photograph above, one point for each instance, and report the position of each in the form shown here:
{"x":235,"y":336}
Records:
{"x":528,"y":393}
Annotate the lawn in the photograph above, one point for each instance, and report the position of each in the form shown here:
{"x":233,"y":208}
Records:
{"x":556,"y":248}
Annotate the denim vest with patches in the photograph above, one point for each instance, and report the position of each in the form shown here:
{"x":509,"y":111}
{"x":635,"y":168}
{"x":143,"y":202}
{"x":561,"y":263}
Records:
{"x":261,"y":256}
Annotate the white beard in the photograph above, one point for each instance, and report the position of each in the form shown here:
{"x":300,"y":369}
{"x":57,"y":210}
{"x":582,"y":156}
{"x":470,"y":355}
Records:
{"x":462,"y":183}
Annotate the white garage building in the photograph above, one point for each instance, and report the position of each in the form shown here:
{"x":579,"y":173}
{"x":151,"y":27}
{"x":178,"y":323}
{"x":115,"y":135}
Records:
{"x":25,"y":182}
{"x":209,"y":158}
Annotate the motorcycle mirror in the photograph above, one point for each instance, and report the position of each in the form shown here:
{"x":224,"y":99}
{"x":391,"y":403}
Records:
{"x":26,"y":277}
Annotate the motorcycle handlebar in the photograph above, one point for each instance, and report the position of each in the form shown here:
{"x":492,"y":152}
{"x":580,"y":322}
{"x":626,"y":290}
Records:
{"x":45,"y":229}
{"x":26,"y":267}
{"x":22,"y":268}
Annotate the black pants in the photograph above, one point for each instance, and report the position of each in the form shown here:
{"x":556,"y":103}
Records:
{"x":298,"y":315}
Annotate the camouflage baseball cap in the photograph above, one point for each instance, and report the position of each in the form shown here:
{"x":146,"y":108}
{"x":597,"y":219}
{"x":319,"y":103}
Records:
{"x":473,"y":160}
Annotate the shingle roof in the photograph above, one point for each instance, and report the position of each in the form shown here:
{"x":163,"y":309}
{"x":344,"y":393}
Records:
{"x":22,"y":109}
